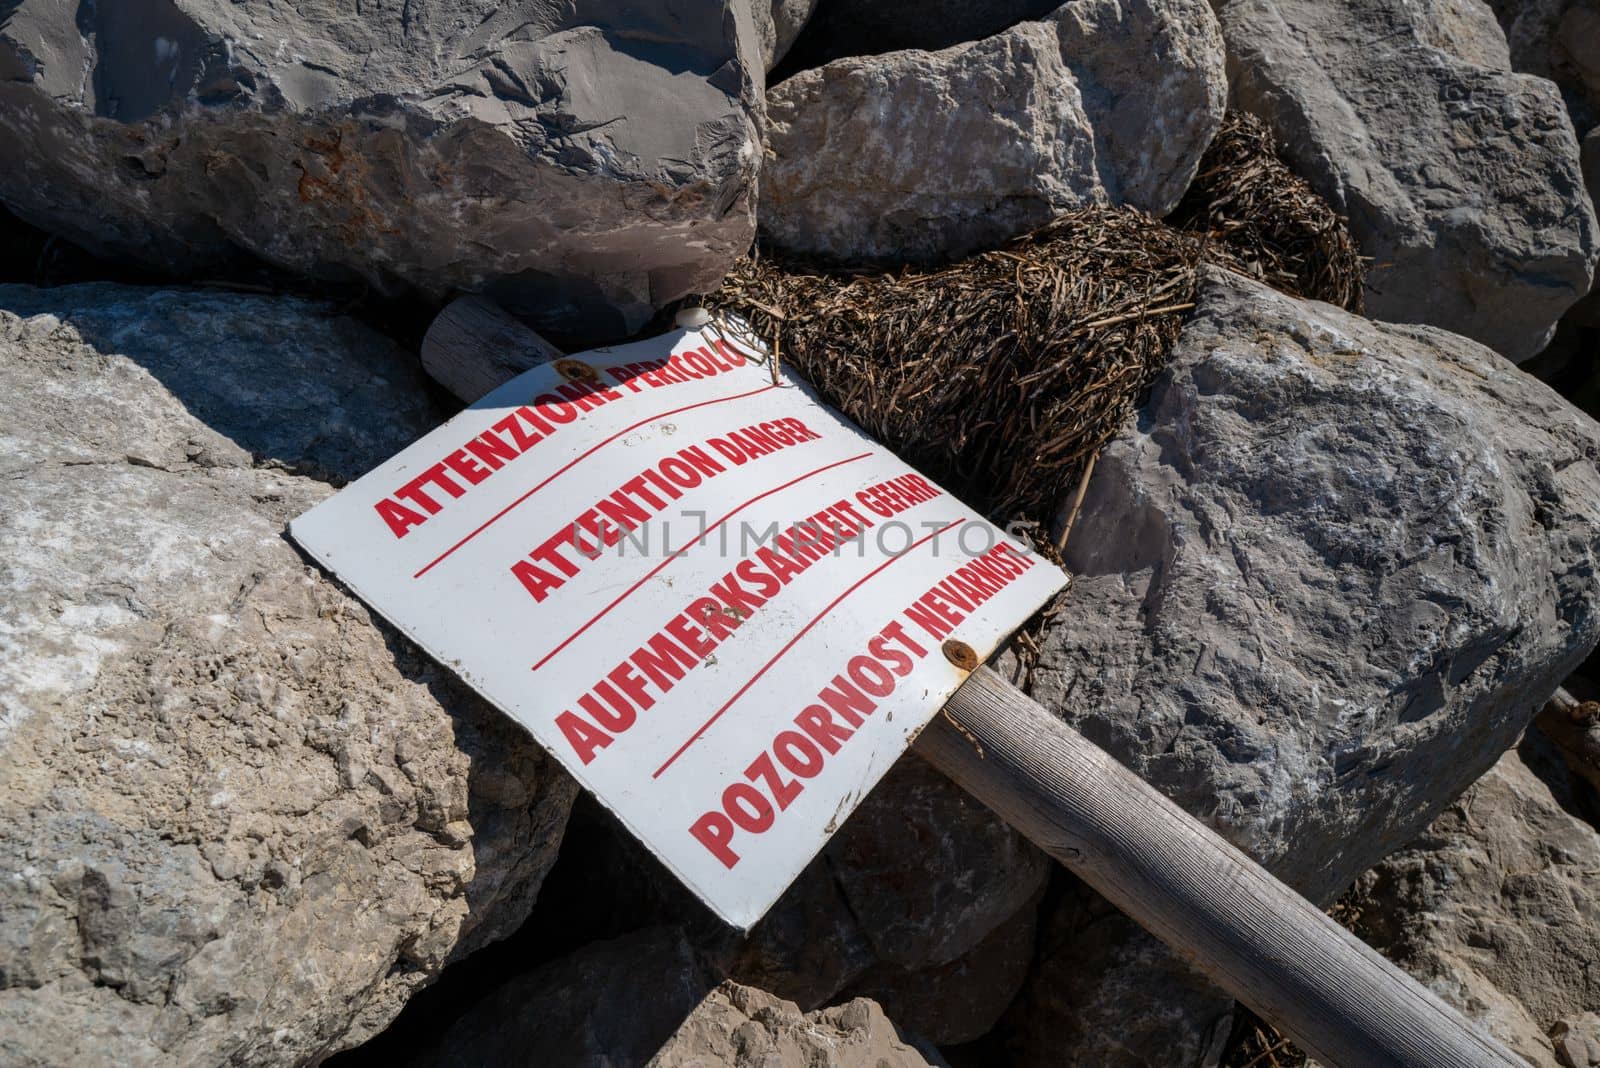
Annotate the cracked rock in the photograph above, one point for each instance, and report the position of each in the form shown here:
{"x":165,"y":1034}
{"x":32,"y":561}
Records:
{"x":241,"y":822}
{"x":582,"y":162}
{"x":1460,"y":179}
{"x":1496,"y":907}
{"x":1327,"y":578}
{"x":1321,"y":586}
{"x":925,"y":156}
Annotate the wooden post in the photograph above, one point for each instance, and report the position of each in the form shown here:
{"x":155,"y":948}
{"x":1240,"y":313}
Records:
{"x":1574,"y":727}
{"x":1254,"y":937}
{"x":501,"y":348}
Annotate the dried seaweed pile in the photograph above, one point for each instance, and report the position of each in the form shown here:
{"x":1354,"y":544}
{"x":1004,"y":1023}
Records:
{"x":1003,"y":374}
{"x":1264,"y":220}
{"x":997,"y":375}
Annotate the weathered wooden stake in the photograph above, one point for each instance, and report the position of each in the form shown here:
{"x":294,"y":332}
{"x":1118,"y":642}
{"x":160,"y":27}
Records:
{"x":501,"y":347}
{"x":1575,"y":729}
{"x":1254,"y":937}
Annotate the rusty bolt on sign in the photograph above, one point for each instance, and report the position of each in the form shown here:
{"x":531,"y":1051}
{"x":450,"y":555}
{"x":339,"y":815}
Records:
{"x":576,"y":371}
{"x":960,"y":654}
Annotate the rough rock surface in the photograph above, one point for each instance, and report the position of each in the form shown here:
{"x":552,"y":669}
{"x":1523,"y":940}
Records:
{"x":1105,"y":994}
{"x":609,"y":1003}
{"x":651,"y":997}
{"x":1586,"y":313}
{"x":584,"y":162}
{"x":1577,"y":1041}
{"x":1497,"y":908}
{"x":926,"y":894}
{"x":240,"y":822}
{"x":923,"y":156}
{"x":741,"y":1027}
{"x":927,"y":870}
{"x":1326,"y":579}
{"x":1589,"y":154}
{"x":924,"y":901}
{"x":960,"y":1000}
{"x":1322,"y":585}
{"x":1460,"y":179}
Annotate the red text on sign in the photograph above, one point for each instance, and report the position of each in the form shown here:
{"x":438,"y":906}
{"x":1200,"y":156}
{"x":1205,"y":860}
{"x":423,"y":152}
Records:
{"x":586,"y":536}
{"x":777,"y":775}
{"x":613,"y":704}
{"x":524,"y":427}
{"x":779,"y":772}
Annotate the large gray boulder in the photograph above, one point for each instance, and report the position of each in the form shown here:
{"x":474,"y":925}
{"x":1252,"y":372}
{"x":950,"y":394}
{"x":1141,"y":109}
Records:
{"x":1327,"y":578}
{"x":1321,"y":585}
{"x":1460,"y":179}
{"x":944,"y":893}
{"x":240,"y":822}
{"x":927,"y":870}
{"x":1497,"y":908}
{"x":584,"y":162}
{"x":923,"y":901}
{"x":1104,"y":994}
{"x":962,"y":999}
{"x":924,"y":156}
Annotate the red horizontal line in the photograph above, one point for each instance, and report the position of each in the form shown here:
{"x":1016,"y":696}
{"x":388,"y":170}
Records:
{"x":597,"y":446}
{"x":790,"y":644}
{"x":684,"y":548}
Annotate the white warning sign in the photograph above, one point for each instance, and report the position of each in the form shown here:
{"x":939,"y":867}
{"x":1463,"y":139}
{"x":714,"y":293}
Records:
{"x":721,"y":606}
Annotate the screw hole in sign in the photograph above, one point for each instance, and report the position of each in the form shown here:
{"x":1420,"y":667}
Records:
{"x":960,"y":654}
{"x":576,"y":371}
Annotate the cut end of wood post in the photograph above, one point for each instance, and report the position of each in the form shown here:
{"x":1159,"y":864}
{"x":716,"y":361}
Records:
{"x":475,"y":345}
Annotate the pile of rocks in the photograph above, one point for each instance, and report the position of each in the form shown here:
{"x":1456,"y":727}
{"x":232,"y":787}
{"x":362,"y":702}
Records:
{"x":588,"y":163}
{"x":1324,"y":579}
